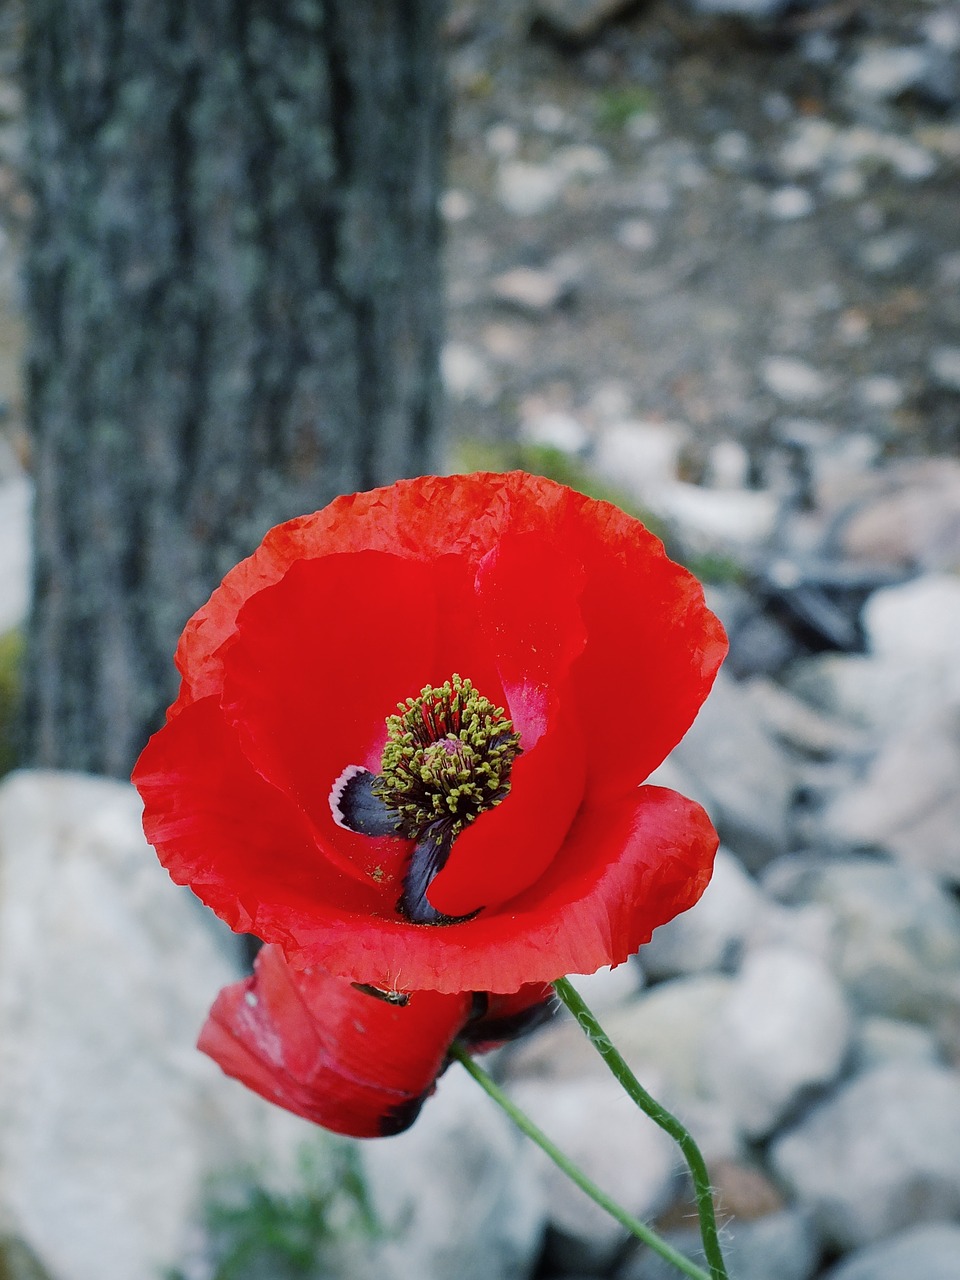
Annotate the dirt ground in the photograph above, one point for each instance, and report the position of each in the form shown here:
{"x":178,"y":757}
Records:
{"x":714,"y":221}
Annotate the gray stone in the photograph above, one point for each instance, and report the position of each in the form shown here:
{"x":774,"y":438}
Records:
{"x":609,"y":988}
{"x":711,"y":934}
{"x":945,"y":366}
{"x":743,"y":773}
{"x":594,"y":1123}
{"x":882,"y":1153}
{"x":110,"y":1121}
{"x":709,"y":520}
{"x":906,"y":515}
{"x":887,"y":72}
{"x":554,"y":429}
{"x":886,"y":254}
{"x":458,"y":1194}
{"x":788,"y":203}
{"x":16,"y":495}
{"x":794,"y":381}
{"x":896,"y":936}
{"x":929,"y":1252}
{"x":756,"y":10}
{"x":779,"y":1246}
{"x":881,"y":1041}
{"x":908,"y":804}
{"x":527,"y":190}
{"x":467,"y":375}
{"x":783,"y":1030}
{"x":530,"y":290}
{"x":640,"y":456}
{"x":578,"y":19}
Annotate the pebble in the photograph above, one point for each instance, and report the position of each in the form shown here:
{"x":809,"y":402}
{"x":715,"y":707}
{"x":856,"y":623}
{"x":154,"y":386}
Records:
{"x":740,"y":772}
{"x":555,"y":430}
{"x":637,"y":234}
{"x":887,"y":72}
{"x":783,"y":1030}
{"x":929,"y":1252}
{"x":885,"y":254}
{"x":639,"y":455}
{"x":529,"y":290}
{"x":794,"y":381}
{"x":711,"y":934}
{"x":527,"y":190}
{"x":895,"y":937}
{"x":881,"y":1153}
{"x":467,"y":376}
{"x":462,"y":1150}
{"x":915,"y":621}
{"x":789,"y":203}
{"x":597,"y":1126}
{"x":778,"y":1246}
{"x":945,"y":367}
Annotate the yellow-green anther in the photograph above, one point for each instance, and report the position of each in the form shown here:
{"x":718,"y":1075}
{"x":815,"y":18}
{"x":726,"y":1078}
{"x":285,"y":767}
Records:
{"x":448,"y":756}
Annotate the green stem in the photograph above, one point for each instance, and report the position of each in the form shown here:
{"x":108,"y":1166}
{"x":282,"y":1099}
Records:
{"x":665,"y":1119}
{"x":523,"y":1122}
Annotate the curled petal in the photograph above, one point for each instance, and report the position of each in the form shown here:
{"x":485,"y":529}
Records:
{"x":343,"y":1058}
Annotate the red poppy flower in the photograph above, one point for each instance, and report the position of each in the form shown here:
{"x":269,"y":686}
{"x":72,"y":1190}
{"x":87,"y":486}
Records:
{"x":343,"y":1056}
{"x":545,"y":655}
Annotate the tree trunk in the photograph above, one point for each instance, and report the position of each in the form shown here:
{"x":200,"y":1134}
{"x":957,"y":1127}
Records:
{"x":234,"y":301}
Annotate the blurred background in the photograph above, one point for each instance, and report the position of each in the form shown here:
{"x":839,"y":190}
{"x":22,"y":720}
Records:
{"x":698,"y":257}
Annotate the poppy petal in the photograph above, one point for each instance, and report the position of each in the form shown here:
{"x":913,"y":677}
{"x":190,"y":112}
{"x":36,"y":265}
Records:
{"x":232,"y":854}
{"x":337,"y":1056}
{"x":625,"y":868}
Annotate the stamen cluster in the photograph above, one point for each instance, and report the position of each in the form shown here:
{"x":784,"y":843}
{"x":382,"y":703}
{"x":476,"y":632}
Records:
{"x":448,"y":758}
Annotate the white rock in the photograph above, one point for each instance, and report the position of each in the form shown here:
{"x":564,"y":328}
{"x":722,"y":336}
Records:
{"x":609,"y":988}
{"x":530,"y":290}
{"x":741,"y":774}
{"x":919,"y":620}
{"x":637,"y":234}
{"x":789,"y":203}
{"x":945,"y":366}
{"x":502,"y":140}
{"x":594,"y":1123}
{"x":458,"y":1194}
{"x":882,"y":1153}
{"x":581,"y":161}
{"x":556,"y":430}
{"x":709,"y":935}
{"x":467,"y":376}
{"x":640,"y":456}
{"x":456,"y":205}
{"x":909,"y":801}
{"x":793,"y":380}
{"x":728,"y":465}
{"x":887,"y":72}
{"x":527,"y":190}
{"x":808,"y":146}
{"x":928,"y":1252}
{"x":784,"y":1029}
{"x":718,"y":519}
{"x":16,"y":497}
{"x":880,"y":392}
{"x":110,"y":1120}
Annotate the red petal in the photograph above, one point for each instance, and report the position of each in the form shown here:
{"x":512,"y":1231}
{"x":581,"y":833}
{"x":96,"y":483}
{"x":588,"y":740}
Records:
{"x":337,"y":1056}
{"x":508,"y":848}
{"x":653,"y":652}
{"x":218,"y":827}
{"x":420,"y":519}
{"x":627,"y":867}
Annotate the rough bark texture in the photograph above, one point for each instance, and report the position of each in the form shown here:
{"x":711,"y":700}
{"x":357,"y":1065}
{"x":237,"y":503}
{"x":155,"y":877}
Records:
{"x":233,"y":290}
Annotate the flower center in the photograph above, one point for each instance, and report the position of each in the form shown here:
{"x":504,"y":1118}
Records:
{"x":447,"y":759}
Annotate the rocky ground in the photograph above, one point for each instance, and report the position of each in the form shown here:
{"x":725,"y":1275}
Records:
{"x":711,"y":264}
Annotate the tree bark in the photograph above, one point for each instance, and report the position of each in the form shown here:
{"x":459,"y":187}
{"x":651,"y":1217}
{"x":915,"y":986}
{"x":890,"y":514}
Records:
{"x":234,"y":301}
